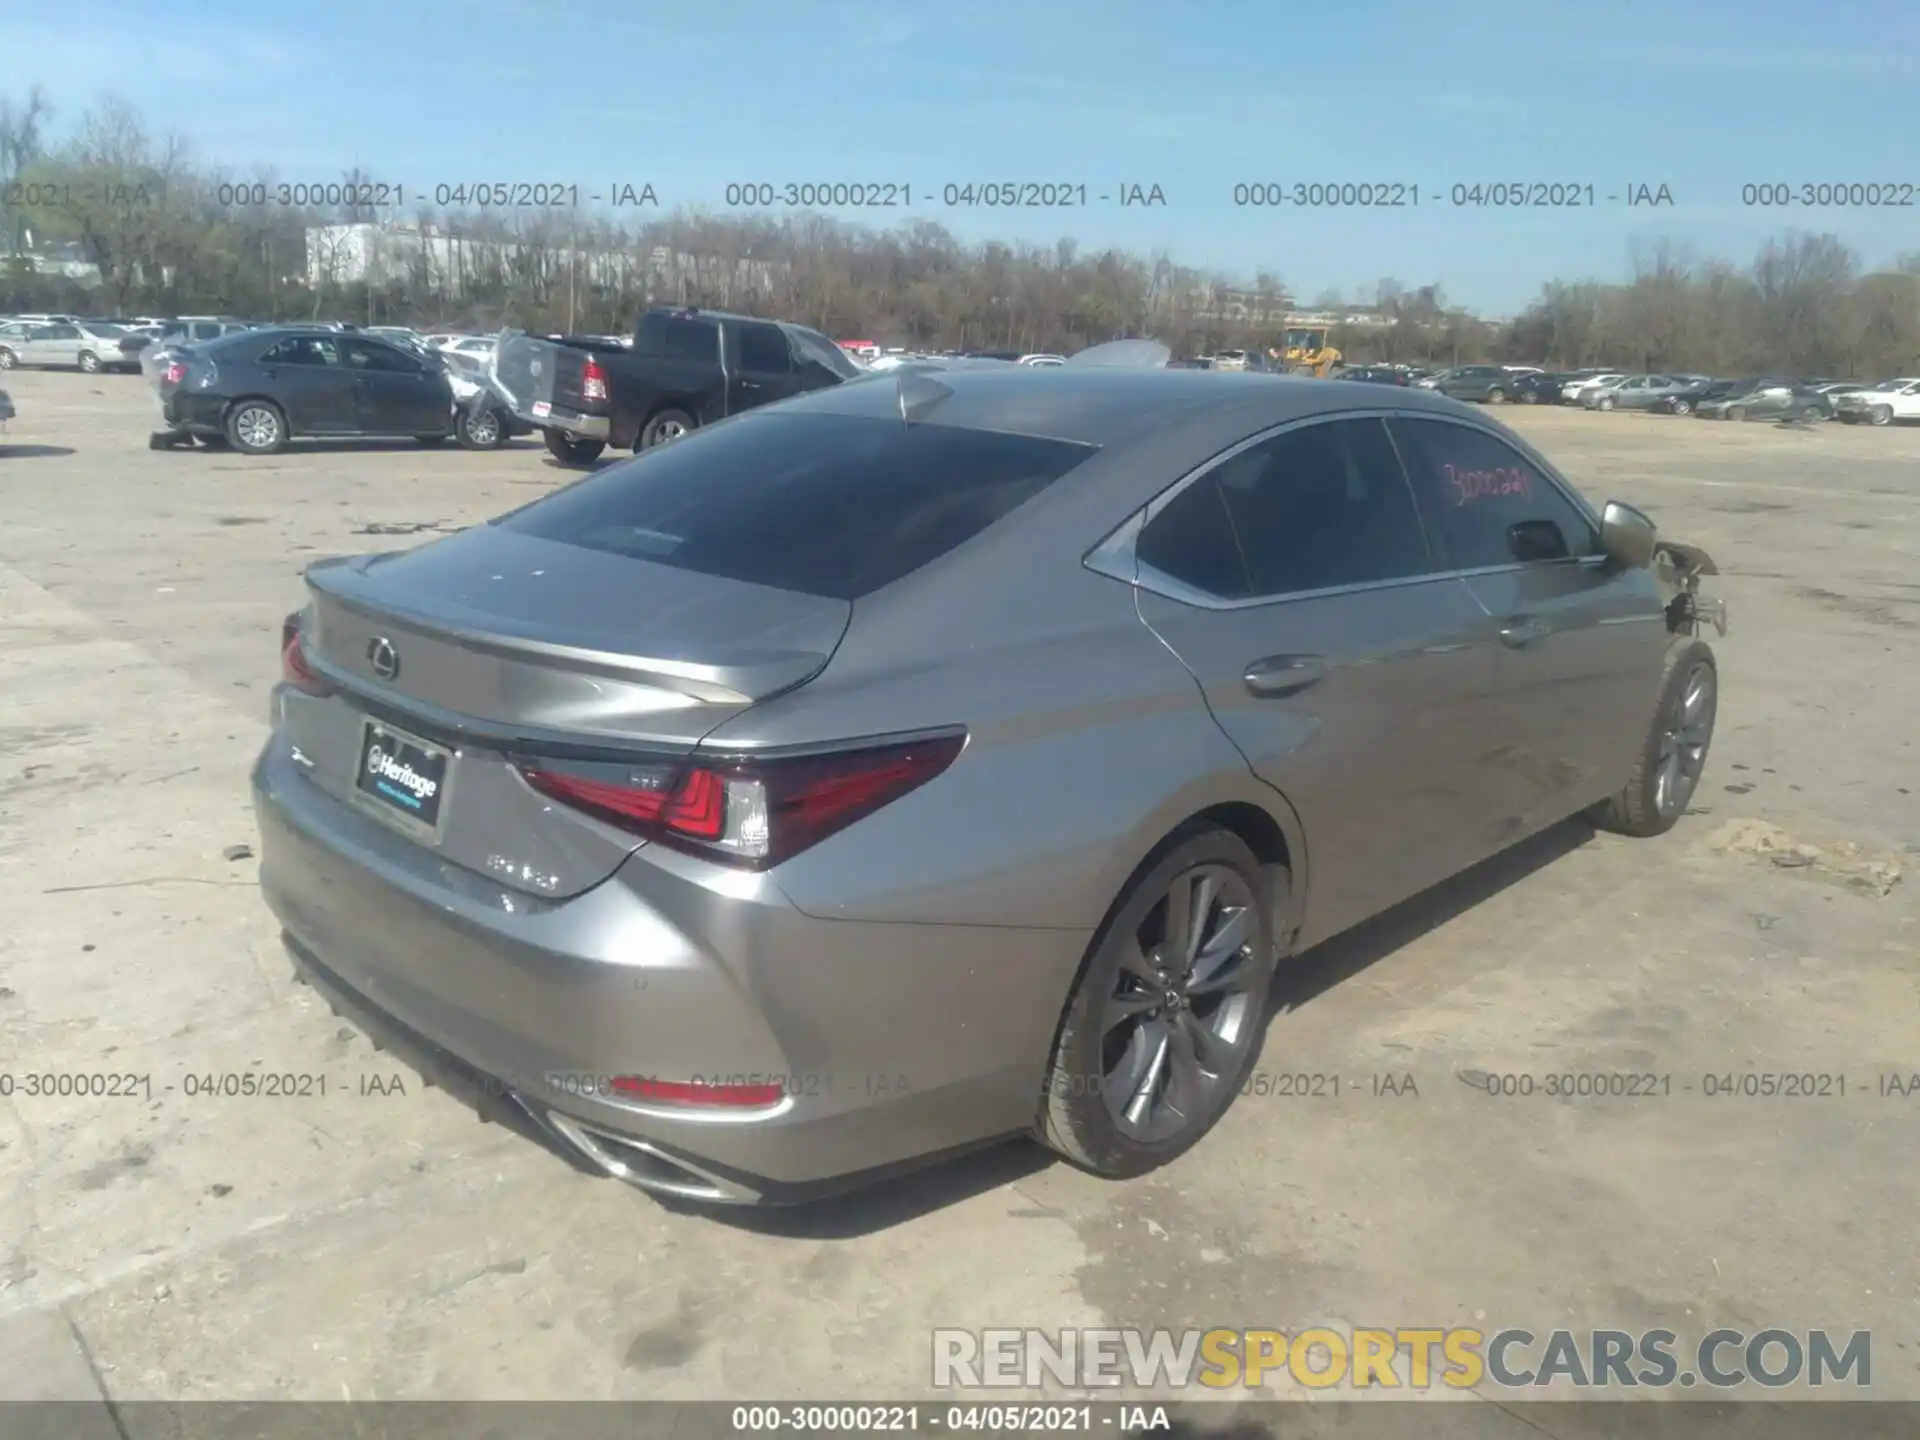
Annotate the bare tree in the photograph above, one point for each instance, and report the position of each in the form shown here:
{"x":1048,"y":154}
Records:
{"x":21,"y":130}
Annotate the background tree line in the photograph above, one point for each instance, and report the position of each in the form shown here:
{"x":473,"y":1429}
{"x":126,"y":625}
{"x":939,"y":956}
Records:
{"x":166,"y":239}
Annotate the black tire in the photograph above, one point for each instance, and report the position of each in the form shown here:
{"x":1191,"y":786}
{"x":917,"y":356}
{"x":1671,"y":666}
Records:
{"x":1849,"y":418}
{"x":1496,"y":396}
{"x":1529,"y":398}
{"x":482,"y":429}
{"x":663,"y":427}
{"x":1605,"y":403}
{"x":7,"y":358}
{"x":1075,"y":1118}
{"x":1881,"y":415}
{"x":89,"y":363}
{"x":569,"y":451}
{"x":1683,"y":407}
{"x":431,"y":440}
{"x":1640,"y":809}
{"x":249,"y":432}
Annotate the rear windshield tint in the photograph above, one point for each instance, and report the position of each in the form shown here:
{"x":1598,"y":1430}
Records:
{"x":828,"y":505}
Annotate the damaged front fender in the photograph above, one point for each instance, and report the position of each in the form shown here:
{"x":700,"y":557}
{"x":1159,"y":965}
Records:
{"x":1679,"y":569}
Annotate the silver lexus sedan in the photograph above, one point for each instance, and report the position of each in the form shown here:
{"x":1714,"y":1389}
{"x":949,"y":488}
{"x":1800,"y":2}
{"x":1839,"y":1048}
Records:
{"x":950,"y":756}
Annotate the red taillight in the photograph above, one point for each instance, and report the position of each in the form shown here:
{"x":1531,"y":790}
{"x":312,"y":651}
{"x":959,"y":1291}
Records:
{"x":696,"y":1092}
{"x":749,"y":811}
{"x":593,"y":380}
{"x":294,"y":669}
{"x":176,"y":372}
{"x":692,"y":807}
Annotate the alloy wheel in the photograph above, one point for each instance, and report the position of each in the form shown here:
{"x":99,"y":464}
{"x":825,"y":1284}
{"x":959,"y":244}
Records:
{"x":483,"y":429}
{"x":1684,"y":741}
{"x":665,"y":430}
{"x":1180,"y":1017}
{"x":257,"y":428}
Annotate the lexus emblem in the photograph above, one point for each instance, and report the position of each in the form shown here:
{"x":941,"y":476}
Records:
{"x":384,"y":659}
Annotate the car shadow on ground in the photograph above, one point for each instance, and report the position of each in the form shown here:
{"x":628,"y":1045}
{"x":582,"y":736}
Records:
{"x":32,"y":452}
{"x":341,"y":446}
{"x":1299,"y":981}
{"x":581,"y":471}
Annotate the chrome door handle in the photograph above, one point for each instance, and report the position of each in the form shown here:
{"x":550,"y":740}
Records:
{"x":1521,"y":631}
{"x":1278,"y":675}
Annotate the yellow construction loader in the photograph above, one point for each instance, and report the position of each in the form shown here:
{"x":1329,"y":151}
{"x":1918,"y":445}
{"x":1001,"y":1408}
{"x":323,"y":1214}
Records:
{"x":1308,"y":353}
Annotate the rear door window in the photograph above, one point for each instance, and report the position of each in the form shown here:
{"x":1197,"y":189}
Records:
{"x":678,"y":337}
{"x":829,"y":505}
{"x":1314,"y":508}
{"x":1191,"y":541}
{"x":373,"y":355}
{"x":302,"y":350}
{"x":764,"y":350}
{"x":1324,"y":506}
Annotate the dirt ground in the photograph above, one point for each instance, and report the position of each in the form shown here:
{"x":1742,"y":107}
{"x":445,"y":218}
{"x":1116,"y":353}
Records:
{"x":380,"y":1242}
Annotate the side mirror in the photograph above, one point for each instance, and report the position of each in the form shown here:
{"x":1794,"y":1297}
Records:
{"x":1626,"y":536}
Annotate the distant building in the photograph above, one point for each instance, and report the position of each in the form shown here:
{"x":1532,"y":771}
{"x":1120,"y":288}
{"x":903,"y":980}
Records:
{"x":1344,"y":317}
{"x":385,"y":254}
{"x":68,"y":261}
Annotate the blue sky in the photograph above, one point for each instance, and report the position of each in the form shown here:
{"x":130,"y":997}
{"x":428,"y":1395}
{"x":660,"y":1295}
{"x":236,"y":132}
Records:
{"x":1193,"y":96}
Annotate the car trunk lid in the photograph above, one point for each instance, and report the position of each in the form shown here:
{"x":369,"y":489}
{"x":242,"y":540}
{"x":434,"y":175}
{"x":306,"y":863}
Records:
{"x":493,"y":648}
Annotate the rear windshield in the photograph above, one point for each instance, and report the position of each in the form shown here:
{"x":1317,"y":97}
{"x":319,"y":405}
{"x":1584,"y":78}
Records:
{"x":829,"y":505}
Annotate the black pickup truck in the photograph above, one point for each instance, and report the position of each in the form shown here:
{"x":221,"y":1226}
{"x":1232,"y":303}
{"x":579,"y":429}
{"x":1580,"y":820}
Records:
{"x":684,"y":369}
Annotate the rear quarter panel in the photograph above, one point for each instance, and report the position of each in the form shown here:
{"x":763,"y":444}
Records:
{"x":1088,"y":743}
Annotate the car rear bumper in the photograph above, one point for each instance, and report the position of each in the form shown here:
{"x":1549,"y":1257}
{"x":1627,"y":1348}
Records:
{"x":574,"y":422}
{"x":196,"y":413}
{"x":892,"y":1044}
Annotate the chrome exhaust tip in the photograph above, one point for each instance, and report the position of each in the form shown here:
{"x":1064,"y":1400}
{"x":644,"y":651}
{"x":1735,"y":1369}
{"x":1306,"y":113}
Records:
{"x":645,"y":1166}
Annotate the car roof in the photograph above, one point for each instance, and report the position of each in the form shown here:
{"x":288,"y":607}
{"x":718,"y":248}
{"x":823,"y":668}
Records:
{"x":688,"y":312}
{"x":1110,"y":407}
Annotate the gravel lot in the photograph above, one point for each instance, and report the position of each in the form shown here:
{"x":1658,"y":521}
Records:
{"x":380,"y":1242}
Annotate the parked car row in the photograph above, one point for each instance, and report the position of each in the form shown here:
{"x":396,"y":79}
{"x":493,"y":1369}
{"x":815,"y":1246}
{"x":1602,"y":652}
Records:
{"x":87,"y":345}
{"x":1744,"y":398}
